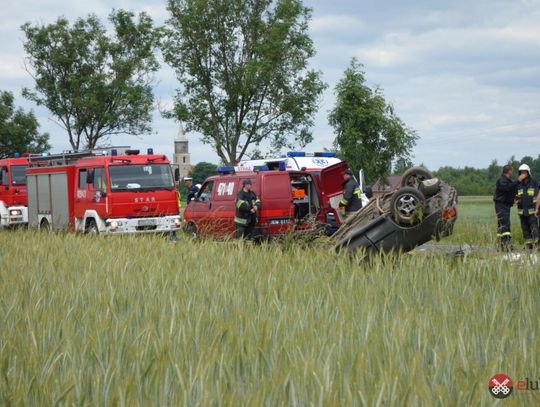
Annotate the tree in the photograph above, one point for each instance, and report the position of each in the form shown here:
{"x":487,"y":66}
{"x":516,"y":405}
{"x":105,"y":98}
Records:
{"x":19,"y":129}
{"x":369,"y":135}
{"x":401,"y":165}
{"x":201,"y":171}
{"x":95,"y":85}
{"x":243,"y":69}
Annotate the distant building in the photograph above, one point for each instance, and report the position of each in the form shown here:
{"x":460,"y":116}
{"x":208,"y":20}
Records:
{"x":182,"y":157}
{"x":393,"y":183}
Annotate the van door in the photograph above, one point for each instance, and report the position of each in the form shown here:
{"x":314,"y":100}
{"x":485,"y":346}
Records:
{"x":331,"y":190}
{"x":224,"y":206}
{"x":200,"y":208}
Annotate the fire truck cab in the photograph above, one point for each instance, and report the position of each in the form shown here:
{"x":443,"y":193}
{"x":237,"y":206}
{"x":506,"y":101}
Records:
{"x":13,"y":199}
{"x":290,"y":200}
{"x":106,"y":193}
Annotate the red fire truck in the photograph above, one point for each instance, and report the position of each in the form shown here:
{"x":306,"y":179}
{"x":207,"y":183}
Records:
{"x":106,"y":192}
{"x":291,"y":200}
{"x":13,"y":201}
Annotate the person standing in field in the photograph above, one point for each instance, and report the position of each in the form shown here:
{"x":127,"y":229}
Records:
{"x":247,"y":207}
{"x":505,"y":193}
{"x":526,"y":199}
{"x":351,"y":201}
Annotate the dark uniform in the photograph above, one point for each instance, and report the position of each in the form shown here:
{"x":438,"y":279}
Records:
{"x":527,"y":191}
{"x":351,"y":197}
{"x":505,"y":193}
{"x":244,"y":219}
{"x":192,"y":191}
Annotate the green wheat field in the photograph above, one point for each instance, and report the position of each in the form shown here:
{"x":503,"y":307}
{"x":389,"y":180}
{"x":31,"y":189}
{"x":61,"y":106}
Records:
{"x":138,"y":321}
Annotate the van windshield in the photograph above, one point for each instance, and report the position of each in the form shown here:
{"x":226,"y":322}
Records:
{"x":144,"y":177}
{"x":18,"y":176}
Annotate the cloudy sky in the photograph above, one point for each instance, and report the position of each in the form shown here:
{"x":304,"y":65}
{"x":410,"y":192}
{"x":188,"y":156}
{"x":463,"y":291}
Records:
{"x":465,"y":75}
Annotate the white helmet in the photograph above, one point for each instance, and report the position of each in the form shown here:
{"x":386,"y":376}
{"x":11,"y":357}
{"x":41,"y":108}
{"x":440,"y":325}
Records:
{"x":525,"y":167}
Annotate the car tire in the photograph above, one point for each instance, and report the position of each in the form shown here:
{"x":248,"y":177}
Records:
{"x":91,"y":227}
{"x":407,"y":206}
{"x":414,"y":176}
{"x":430,"y":187}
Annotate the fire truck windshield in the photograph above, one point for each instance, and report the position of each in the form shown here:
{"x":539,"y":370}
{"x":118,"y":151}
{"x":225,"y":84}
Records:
{"x":18,"y":177}
{"x":145,"y":177}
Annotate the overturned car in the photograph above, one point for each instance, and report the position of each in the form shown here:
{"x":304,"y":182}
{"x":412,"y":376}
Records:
{"x":424,"y":208}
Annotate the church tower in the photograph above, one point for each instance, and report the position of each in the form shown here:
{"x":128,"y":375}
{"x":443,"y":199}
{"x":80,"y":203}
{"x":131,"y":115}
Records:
{"x":181,"y":153}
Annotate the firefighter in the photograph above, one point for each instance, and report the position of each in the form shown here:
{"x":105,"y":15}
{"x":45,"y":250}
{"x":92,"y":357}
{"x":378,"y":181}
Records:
{"x":526,"y":199}
{"x":351,"y":201}
{"x":503,"y":197}
{"x":192,"y":189}
{"x":247,"y":207}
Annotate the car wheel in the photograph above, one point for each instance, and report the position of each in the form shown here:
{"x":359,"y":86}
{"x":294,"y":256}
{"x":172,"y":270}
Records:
{"x":414,"y":176}
{"x":407,"y":206}
{"x":430,"y":187}
{"x":91,"y":227}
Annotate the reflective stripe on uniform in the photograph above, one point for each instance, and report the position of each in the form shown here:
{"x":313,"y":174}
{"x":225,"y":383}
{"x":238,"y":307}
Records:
{"x":357,"y":192}
{"x":240,"y":221}
{"x":504,"y":234}
{"x":344,"y":202}
{"x":239,"y":203}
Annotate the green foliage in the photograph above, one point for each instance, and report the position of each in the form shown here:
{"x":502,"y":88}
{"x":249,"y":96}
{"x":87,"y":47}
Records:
{"x":96,"y":85}
{"x":201,"y":171}
{"x":242,"y":65}
{"x":19,"y":129}
{"x":475,"y":181}
{"x":369,"y":135}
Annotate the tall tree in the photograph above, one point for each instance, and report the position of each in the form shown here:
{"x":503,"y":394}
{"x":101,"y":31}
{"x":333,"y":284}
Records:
{"x":201,"y":171}
{"x":243,"y":69}
{"x":369,"y":135}
{"x":19,"y":129}
{"x":95,"y":84}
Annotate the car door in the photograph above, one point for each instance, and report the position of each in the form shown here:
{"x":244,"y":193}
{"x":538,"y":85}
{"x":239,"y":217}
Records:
{"x":200,"y":208}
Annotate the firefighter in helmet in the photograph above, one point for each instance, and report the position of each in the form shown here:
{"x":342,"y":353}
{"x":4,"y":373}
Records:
{"x":247,"y":208}
{"x":351,"y":201}
{"x":526,"y":199}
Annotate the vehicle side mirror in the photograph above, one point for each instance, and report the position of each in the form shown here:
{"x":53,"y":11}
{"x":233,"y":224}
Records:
{"x":177,"y":174}
{"x":90,"y":177}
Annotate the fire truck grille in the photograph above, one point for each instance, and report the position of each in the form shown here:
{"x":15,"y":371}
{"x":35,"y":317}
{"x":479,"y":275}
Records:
{"x":149,"y":227}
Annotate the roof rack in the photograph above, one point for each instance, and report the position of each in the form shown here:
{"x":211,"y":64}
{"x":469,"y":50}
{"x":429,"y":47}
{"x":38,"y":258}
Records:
{"x":59,"y":159}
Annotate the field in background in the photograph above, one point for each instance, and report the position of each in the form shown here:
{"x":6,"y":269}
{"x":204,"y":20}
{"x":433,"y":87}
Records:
{"x":141,"y":321}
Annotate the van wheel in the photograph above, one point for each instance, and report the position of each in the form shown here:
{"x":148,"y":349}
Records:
{"x":407,"y":206}
{"x":414,"y":176}
{"x":45,"y":225}
{"x":190,"y":229}
{"x":91,"y":227}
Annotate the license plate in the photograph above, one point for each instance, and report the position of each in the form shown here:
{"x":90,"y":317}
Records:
{"x":146,"y":222}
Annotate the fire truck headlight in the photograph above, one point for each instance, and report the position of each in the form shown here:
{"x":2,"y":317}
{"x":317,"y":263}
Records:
{"x":177,"y":222}
{"x":15,"y":212}
{"x":113,"y":224}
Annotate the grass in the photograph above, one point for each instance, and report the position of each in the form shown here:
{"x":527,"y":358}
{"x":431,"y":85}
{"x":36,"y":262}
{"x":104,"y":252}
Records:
{"x":139,"y":321}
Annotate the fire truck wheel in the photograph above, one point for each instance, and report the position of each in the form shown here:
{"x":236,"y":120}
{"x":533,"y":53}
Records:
{"x":91,"y":227}
{"x":44,"y":225}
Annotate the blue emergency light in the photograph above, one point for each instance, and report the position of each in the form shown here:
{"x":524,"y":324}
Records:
{"x":296,"y":154}
{"x":114,"y":151}
{"x":225,"y":170}
{"x":150,"y":151}
{"x":16,"y":155}
{"x":282,"y":165}
{"x":327,"y":154}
